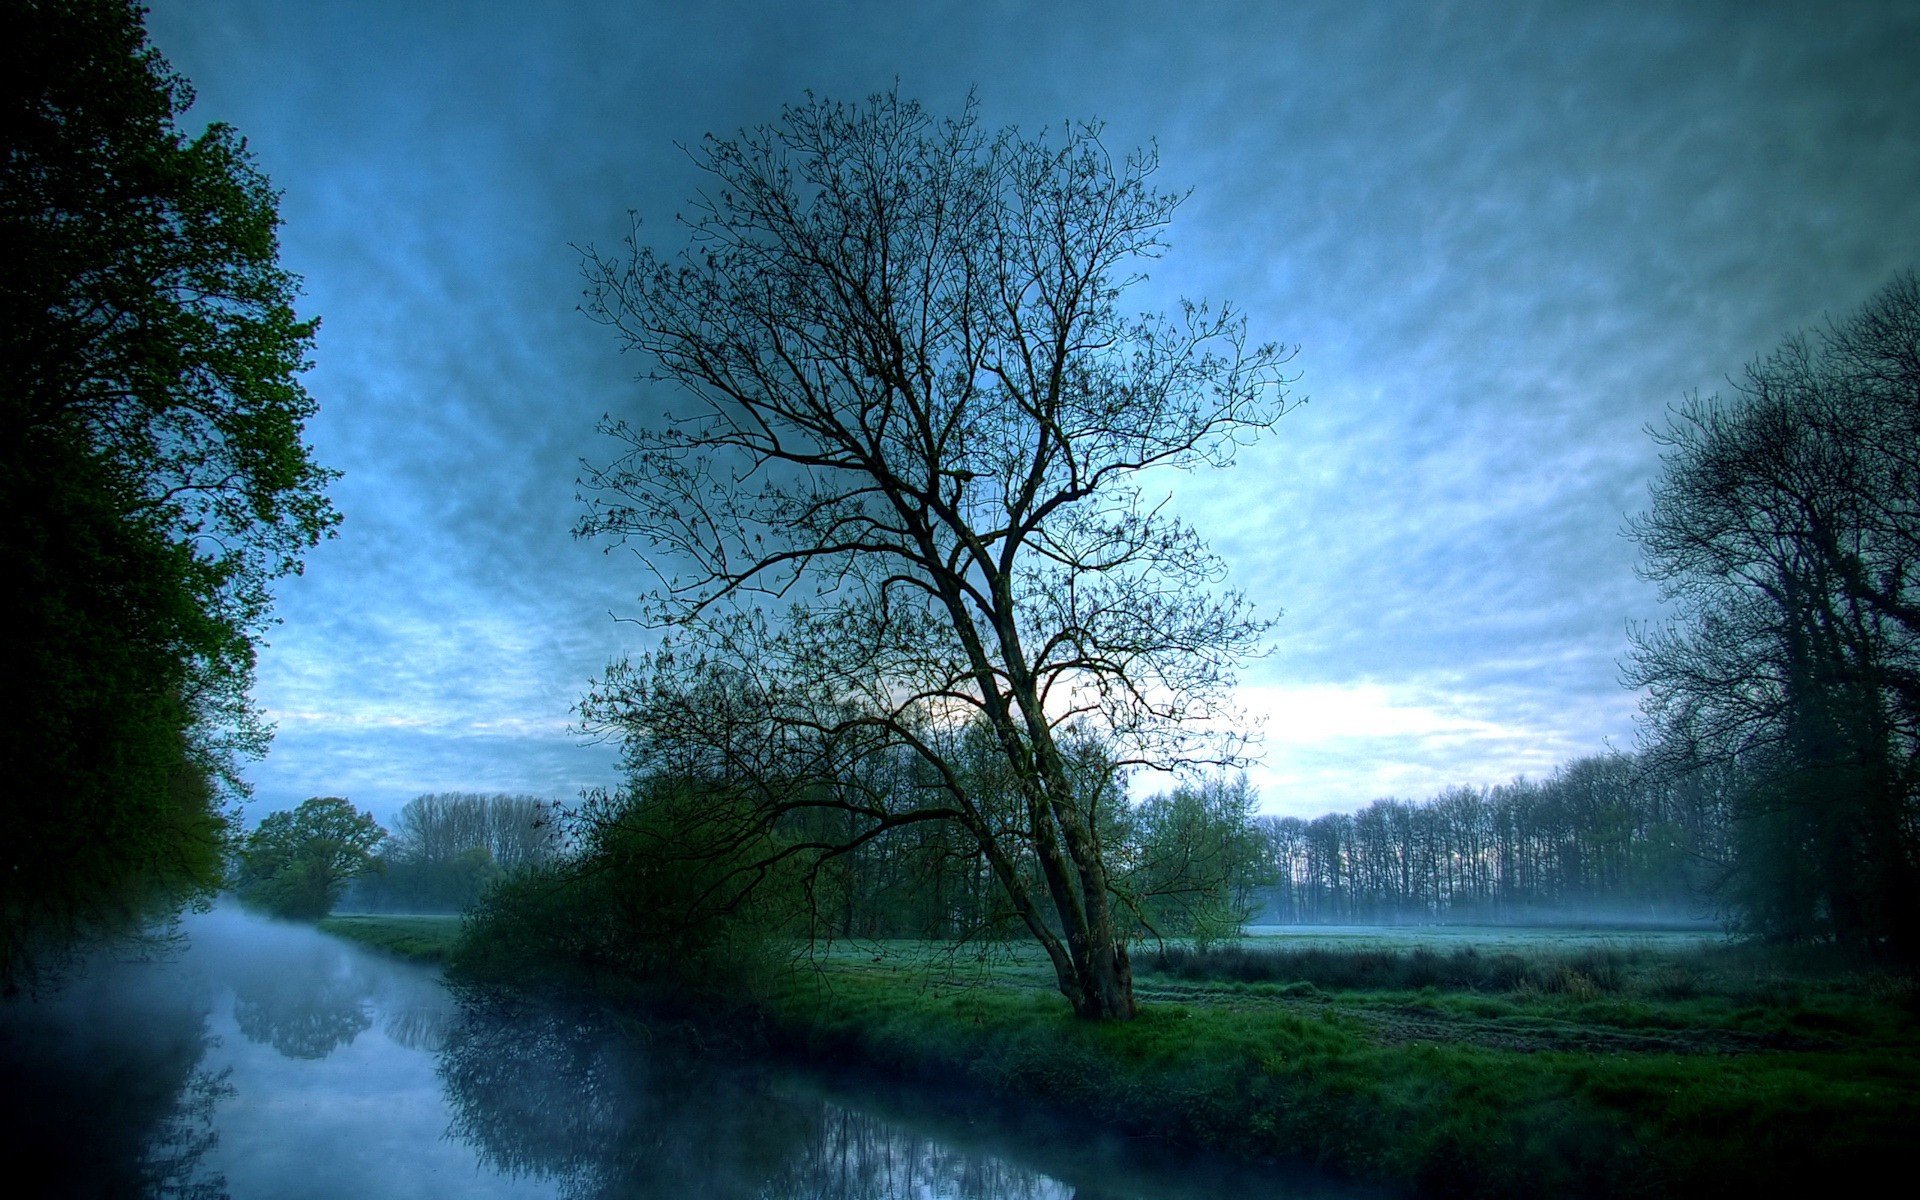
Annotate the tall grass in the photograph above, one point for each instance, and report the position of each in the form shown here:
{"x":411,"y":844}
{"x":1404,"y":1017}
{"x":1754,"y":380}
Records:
{"x":1599,"y":970}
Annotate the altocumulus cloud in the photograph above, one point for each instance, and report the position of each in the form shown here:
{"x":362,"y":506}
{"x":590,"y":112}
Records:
{"x":1505,"y":236}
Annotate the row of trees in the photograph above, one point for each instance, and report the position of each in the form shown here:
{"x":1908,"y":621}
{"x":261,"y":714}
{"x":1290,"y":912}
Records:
{"x":1182,"y":864}
{"x":445,"y":849}
{"x":1602,"y":838}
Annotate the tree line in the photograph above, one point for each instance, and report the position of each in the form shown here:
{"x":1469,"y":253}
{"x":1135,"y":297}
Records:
{"x":1183,"y":863}
{"x":445,"y":850}
{"x":1605,"y":837}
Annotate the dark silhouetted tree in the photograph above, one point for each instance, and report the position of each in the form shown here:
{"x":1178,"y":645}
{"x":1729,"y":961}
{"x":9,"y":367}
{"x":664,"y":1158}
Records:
{"x":155,"y":479}
{"x":904,"y":499}
{"x":1785,"y":529}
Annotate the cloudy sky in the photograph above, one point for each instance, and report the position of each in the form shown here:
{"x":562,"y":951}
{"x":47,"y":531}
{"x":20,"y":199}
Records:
{"x":1504,"y":236}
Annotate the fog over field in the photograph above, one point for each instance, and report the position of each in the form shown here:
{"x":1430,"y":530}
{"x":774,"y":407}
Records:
{"x":1505,"y":238}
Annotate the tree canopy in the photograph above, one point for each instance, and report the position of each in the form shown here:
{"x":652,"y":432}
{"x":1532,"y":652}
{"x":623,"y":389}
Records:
{"x":902,"y":515}
{"x":1785,"y":530}
{"x":298,"y":862}
{"x":156,"y":478}
{"x":448,"y":847}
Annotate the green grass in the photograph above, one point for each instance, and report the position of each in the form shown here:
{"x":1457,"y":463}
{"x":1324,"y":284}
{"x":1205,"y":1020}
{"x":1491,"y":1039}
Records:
{"x":1485,"y":938}
{"x":1744,"y":1080}
{"x":422,"y":938}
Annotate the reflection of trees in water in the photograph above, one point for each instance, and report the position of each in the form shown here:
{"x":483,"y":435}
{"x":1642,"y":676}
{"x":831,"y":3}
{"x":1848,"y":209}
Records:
{"x":102,"y":1088}
{"x":558,"y":1093}
{"x":561,"y":1094}
{"x":170,"y":1165}
{"x":417,"y":1026}
{"x":852,"y":1155}
{"x":302,"y":1014}
{"x":307,"y":996}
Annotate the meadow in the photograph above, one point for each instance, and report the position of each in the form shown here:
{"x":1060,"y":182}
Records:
{"x":428,"y":937}
{"x":1515,"y":1064}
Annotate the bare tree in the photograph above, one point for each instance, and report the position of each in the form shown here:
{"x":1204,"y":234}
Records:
{"x":903,"y":499}
{"x":1786,"y":529}
{"x":515,"y":831}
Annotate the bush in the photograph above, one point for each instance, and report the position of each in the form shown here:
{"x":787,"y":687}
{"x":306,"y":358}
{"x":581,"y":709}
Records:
{"x":661,"y":896}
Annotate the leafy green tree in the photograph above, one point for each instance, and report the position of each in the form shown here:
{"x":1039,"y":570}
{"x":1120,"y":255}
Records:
{"x":297,"y":863}
{"x":155,"y":476}
{"x":669,"y":885}
{"x":1193,"y":858}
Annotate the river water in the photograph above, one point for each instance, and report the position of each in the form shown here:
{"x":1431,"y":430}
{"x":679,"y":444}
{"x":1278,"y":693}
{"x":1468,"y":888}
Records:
{"x":259,"y":1059}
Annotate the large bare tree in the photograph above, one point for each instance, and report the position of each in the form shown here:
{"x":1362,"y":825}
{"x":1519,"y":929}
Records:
{"x":905,"y":501}
{"x":1785,"y":529}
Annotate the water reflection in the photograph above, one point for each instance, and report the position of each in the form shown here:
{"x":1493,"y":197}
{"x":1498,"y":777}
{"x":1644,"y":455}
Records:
{"x":307,"y":996}
{"x":593,"y":1105}
{"x":272,"y":1060}
{"x":559,"y":1093}
{"x":104,"y":1088}
{"x":301,"y":1017}
{"x":854,"y":1156}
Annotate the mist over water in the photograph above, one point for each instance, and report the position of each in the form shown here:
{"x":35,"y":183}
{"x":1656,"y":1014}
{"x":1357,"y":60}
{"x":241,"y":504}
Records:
{"x":265,"y":1059}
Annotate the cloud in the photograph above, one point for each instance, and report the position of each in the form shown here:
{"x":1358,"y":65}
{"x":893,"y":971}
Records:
{"x":1505,"y":239}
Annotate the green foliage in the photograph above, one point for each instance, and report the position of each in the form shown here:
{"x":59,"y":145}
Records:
{"x":155,"y":479}
{"x":1190,"y":860}
{"x":297,"y":863}
{"x":671,"y":889}
{"x":413,"y":884}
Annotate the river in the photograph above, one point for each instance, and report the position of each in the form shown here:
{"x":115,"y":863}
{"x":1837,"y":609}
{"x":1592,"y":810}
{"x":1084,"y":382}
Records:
{"x":260,"y":1059}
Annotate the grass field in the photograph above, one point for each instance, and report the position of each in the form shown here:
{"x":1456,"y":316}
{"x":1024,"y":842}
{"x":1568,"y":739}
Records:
{"x":424,"y":938}
{"x":1459,"y":1062}
{"x":1547,"y":939}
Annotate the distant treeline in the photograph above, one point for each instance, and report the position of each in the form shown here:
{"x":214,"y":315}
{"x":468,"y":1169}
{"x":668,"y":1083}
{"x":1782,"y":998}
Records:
{"x":1608,"y":837}
{"x":447,"y":847}
{"x":1184,"y":863}
{"x":1603,"y":837}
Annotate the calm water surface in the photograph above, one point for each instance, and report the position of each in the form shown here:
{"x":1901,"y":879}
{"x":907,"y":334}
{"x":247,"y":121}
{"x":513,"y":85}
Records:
{"x":270,"y":1060}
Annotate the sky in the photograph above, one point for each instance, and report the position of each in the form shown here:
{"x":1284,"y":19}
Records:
{"x":1505,"y":237}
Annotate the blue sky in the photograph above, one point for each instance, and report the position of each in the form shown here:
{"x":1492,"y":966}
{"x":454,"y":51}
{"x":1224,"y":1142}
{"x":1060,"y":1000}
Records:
{"x":1504,"y":236}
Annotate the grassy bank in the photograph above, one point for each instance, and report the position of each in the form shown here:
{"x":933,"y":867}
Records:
{"x":1518,"y":1068}
{"x":1617,"y":1072}
{"x":424,"y":938}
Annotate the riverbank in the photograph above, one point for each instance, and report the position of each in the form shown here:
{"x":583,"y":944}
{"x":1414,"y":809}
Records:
{"x":1451,"y":1092}
{"x":1607,"y":1072}
{"x":428,"y":938}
